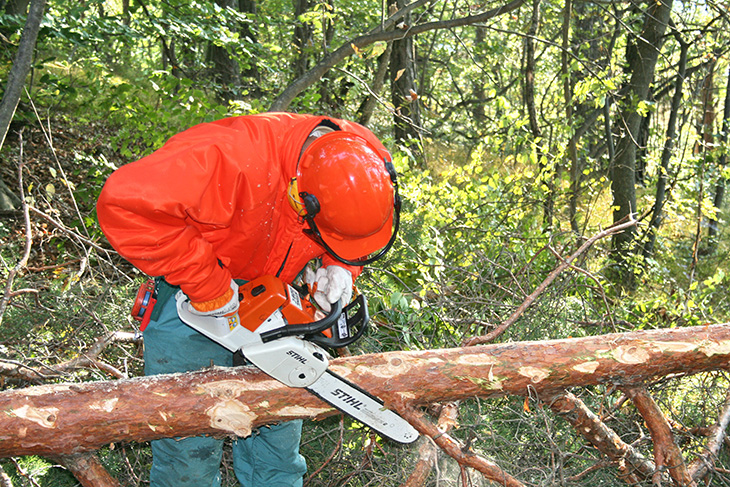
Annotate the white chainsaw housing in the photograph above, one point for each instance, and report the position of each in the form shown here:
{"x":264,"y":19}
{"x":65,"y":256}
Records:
{"x":297,"y":363}
{"x":290,"y":360}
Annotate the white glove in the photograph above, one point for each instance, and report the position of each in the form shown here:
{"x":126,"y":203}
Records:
{"x":218,"y":307}
{"x":331,"y":283}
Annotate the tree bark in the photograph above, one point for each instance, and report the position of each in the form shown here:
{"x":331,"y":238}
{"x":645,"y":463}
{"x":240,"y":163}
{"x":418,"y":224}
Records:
{"x":66,"y":419}
{"x":15,"y":84}
{"x":642,"y":54}
{"x":671,"y":134}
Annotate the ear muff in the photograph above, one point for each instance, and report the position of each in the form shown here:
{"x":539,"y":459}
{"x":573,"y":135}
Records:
{"x":306,"y":205}
{"x":295,"y":201}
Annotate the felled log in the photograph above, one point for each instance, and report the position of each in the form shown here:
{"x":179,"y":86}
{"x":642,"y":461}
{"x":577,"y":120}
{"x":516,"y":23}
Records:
{"x":67,"y":419}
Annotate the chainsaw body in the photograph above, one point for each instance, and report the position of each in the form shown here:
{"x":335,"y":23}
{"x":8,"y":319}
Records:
{"x":276,"y":329}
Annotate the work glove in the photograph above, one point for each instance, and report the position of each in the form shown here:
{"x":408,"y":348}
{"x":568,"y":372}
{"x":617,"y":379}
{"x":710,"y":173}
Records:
{"x":330,"y":284}
{"x":225,"y":305}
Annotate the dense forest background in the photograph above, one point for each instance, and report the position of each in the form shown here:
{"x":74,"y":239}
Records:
{"x":519,"y":129}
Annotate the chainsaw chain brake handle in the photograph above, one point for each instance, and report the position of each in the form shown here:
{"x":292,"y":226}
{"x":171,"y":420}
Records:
{"x":350,"y":326}
{"x":346,"y":325}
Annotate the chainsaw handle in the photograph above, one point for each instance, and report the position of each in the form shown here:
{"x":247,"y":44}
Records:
{"x":306,"y":328}
{"x":356,"y":319}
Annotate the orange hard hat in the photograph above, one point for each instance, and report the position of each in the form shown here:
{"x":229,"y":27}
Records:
{"x":347,"y":191}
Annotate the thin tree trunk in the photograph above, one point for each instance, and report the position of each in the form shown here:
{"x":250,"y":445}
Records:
{"x":404,"y":92}
{"x":15,"y":84}
{"x":719,"y":197}
{"x":546,"y":170}
{"x":365,"y":112}
{"x":572,"y":151}
{"x":669,"y":139}
{"x":642,"y":58}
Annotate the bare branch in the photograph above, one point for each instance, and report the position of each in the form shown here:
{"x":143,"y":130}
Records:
{"x":667,"y":455}
{"x":564,"y":264}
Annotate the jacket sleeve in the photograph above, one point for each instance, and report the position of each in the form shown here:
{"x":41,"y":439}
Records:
{"x":155,"y":212}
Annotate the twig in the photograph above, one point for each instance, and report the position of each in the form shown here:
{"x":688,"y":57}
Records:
{"x":332,"y":455}
{"x":590,"y":276}
{"x":4,"y":479}
{"x":23,"y":473}
{"x":28,"y":236}
{"x":564,"y":264}
{"x":68,"y":231}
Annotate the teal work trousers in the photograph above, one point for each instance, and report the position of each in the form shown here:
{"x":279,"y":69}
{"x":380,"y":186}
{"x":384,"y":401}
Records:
{"x":268,"y":458}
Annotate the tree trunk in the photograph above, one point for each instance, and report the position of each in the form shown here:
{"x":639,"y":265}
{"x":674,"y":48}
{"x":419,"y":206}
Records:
{"x":720,"y":186}
{"x":671,"y":134}
{"x":404,"y":92}
{"x":302,"y":40}
{"x":224,"y":69}
{"x":642,"y":54}
{"x":248,"y":31}
{"x":67,"y":419}
{"x":15,"y":84}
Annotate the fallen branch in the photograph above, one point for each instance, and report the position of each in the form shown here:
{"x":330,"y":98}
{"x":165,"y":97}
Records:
{"x":703,"y":464}
{"x":457,"y":451}
{"x":427,"y":451}
{"x":87,"y":359}
{"x":667,"y":456}
{"x":88,"y":470}
{"x":604,"y":439}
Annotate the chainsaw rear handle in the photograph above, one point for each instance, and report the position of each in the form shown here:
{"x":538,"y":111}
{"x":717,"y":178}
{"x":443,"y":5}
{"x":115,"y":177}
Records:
{"x":306,"y":328}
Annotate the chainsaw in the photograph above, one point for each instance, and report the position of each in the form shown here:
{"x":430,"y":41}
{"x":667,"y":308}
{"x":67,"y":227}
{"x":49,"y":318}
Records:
{"x":277,"y":331}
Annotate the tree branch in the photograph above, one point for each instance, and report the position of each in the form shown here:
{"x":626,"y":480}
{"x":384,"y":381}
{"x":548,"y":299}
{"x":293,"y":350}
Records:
{"x":380,"y":33}
{"x":564,"y":264}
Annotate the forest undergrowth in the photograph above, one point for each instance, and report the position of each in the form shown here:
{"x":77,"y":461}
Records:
{"x":460,"y":267}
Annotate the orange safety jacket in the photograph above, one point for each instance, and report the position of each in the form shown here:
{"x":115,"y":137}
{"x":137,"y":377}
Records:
{"x":216,"y":194}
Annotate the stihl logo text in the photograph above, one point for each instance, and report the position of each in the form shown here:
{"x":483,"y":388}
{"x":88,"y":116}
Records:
{"x":296,"y":356}
{"x":347,"y":399}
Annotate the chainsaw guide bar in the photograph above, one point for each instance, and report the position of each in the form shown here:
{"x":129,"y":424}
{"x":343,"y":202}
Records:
{"x":362,"y":406}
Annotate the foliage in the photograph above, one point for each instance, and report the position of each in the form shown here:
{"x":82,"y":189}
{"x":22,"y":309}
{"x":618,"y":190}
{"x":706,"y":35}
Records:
{"x":475,"y":238}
